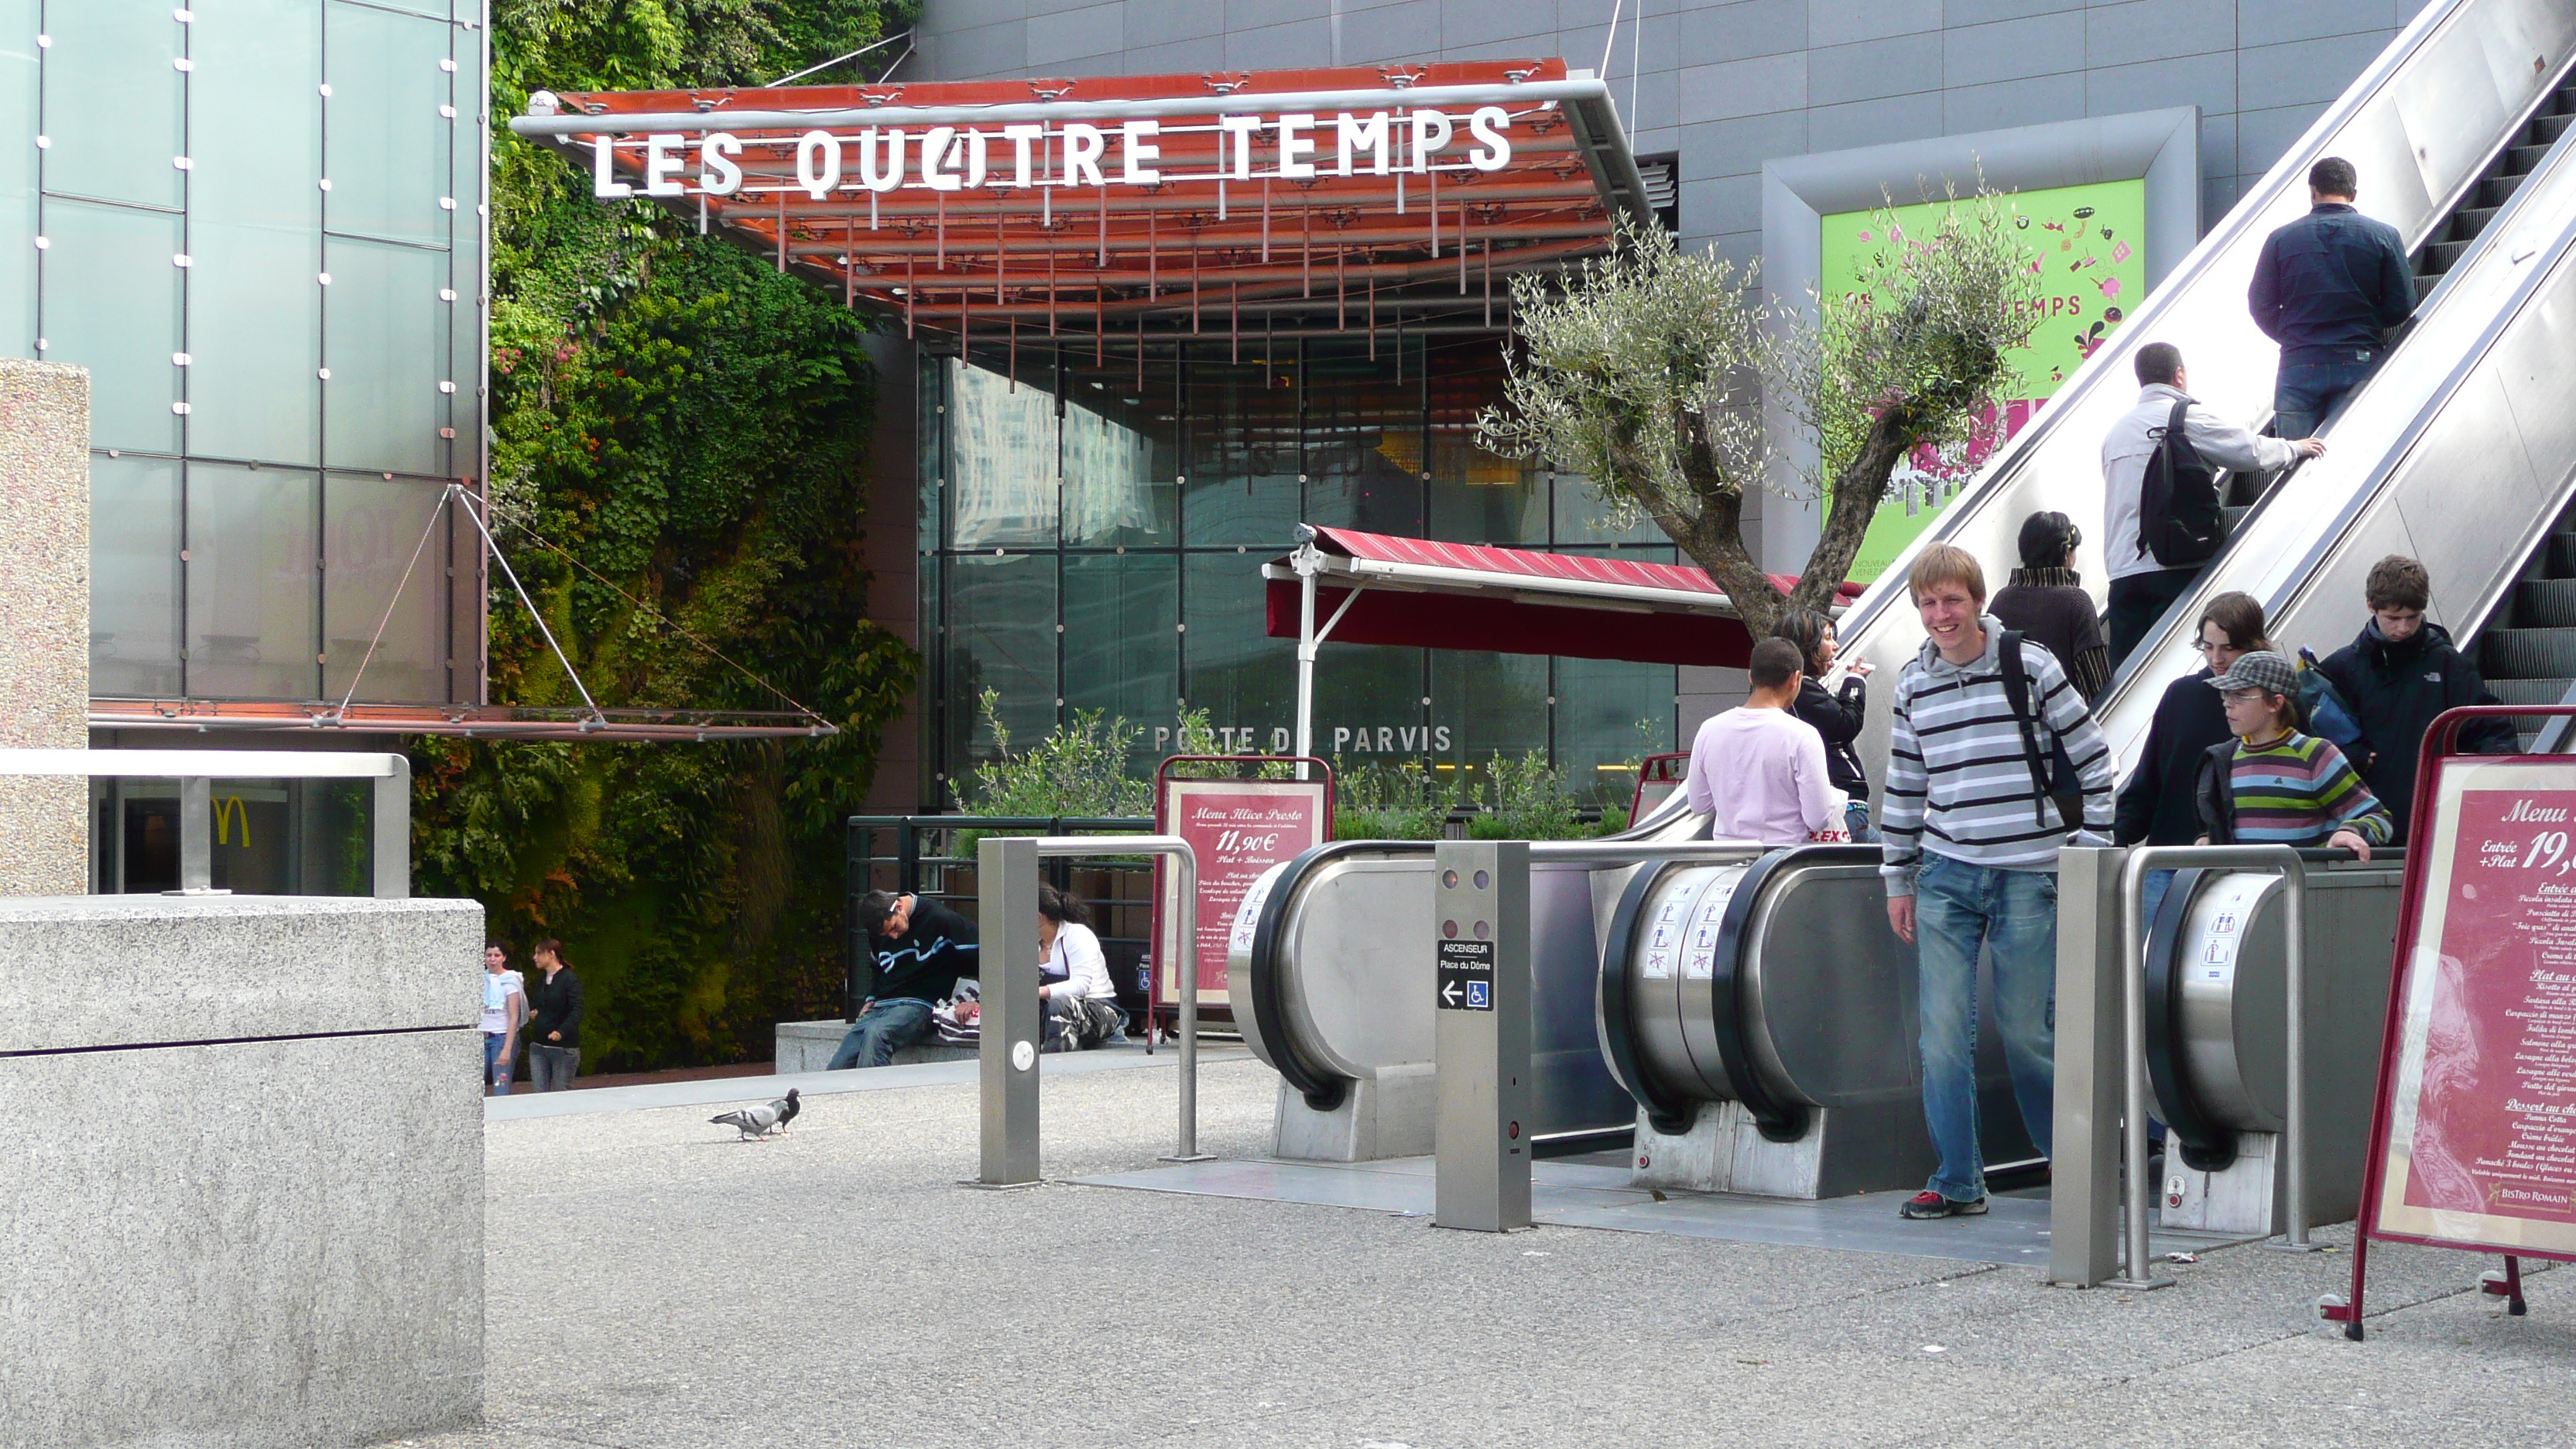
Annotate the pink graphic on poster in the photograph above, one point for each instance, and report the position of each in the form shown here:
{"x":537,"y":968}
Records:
{"x":2495,"y":1110}
{"x":1238,"y":830}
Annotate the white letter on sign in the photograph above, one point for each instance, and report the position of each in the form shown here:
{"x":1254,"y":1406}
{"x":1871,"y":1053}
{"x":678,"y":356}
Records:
{"x":661,"y":168}
{"x":1295,"y":146}
{"x":890,"y":175}
{"x":1020,"y":136}
{"x":1493,"y":147}
{"x":1431,"y":131}
{"x":1082,"y":154}
{"x":818,"y":163}
{"x":603,"y":182}
{"x":1353,"y":133}
{"x":1137,"y":149}
{"x":717,"y":175}
{"x":1241,"y":129}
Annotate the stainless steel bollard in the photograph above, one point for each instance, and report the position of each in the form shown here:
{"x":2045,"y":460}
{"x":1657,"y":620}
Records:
{"x":1481,"y":939}
{"x":1007,"y":882}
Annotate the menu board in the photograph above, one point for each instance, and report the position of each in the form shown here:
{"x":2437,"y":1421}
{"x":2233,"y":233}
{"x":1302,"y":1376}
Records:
{"x":2481,"y":1148}
{"x":1238,"y":829}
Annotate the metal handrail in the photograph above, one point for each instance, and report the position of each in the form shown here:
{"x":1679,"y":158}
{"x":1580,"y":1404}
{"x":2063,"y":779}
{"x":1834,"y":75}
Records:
{"x":2293,"y":866}
{"x":390,"y":827}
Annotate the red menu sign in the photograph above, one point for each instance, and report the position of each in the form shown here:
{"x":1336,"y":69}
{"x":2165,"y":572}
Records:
{"x":2481,"y":1148}
{"x":1238,"y":829}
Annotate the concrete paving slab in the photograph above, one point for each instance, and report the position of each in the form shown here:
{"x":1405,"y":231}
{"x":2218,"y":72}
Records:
{"x":519,"y":1106}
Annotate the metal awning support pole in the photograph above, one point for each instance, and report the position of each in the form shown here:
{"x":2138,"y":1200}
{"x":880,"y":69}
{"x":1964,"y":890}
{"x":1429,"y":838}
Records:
{"x":196,"y":836}
{"x":1308,"y":561}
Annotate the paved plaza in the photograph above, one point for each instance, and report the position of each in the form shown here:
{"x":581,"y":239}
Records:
{"x":654,"y":1284}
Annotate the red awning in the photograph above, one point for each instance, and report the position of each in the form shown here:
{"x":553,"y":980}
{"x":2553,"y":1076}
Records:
{"x":1426,"y":594}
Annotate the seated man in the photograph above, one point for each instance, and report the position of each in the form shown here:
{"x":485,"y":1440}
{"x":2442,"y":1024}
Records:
{"x":922,"y":948}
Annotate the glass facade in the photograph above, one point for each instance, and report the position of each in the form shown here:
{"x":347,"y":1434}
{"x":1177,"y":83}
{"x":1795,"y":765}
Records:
{"x":1093,"y":529}
{"x":259,"y":225}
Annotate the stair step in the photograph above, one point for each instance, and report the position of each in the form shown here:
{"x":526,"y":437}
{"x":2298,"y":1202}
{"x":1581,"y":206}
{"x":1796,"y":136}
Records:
{"x":2439,"y":256}
{"x":2497,"y":190}
{"x":2523,"y":160}
{"x":2528,"y":654}
{"x":2468,"y":221}
{"x":2547,"y":129}
{"x":2530,"y":691}
{"x":2232,"y":515}
{"x":2562,"y":555}
{"x":2545,"y":604}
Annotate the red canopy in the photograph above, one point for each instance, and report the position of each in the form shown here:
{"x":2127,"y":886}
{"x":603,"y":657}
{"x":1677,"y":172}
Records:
{"x":1427,"y":594}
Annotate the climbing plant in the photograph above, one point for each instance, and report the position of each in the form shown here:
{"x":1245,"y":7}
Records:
{"x":679,"y":446}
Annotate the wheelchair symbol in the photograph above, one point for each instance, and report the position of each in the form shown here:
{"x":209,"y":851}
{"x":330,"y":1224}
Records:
{"x":1477,"y":995}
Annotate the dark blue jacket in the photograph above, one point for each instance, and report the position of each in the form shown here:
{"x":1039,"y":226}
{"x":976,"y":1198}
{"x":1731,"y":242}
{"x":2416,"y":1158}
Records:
{"x":2330,"y":285}
{"x":923,"y":963}
{"x":2395,"y":691}
{"x":2158,"y":806}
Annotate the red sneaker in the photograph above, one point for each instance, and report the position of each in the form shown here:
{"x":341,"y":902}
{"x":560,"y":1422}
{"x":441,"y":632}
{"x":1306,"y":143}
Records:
{"x":1930,"y":1204}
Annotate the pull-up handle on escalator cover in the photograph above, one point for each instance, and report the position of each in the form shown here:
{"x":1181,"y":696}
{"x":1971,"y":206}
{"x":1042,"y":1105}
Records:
{"x":1664,"y":1112}
{"x":1778,"y":1120}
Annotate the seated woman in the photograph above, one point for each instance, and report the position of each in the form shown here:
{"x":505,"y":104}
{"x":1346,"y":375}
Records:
{"x":1081,"y":1004}
{"x":2271,"y":784}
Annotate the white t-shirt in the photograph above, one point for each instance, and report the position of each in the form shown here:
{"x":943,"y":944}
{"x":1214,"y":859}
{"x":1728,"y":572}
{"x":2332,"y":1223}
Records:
{"x":1761,"y":773}
{"x":497,"y":991}
{"x":1075,"y":966}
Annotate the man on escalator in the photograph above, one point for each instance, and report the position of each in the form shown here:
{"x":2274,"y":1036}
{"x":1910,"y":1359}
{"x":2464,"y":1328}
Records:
{"x":2328,"y":287}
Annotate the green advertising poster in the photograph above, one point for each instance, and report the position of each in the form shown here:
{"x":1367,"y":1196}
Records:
{"x":2088,"y":245}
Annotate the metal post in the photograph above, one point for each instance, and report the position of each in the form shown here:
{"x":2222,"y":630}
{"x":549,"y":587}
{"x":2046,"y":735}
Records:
{"x":392,"y":830}
{"x":1007,"y":883}
{"x":2294,"y":1134}
{"x":196,"y":836}
{"x":1481,"y":891}
{"x":2084,"y":1202}
{"x":1305,"y":565}
{"x":1185,"y":926}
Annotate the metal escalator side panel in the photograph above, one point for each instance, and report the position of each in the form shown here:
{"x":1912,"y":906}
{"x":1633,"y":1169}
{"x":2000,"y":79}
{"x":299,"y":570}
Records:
{"x":1778,"y":1117}
{"x":1573,"y":1088}
{"x":1615,"y":1012}
{"x":1700,"y":903}
{"x":1282,"y":962}
{"x":2182,"y":946}
{"x":1828,"y":992}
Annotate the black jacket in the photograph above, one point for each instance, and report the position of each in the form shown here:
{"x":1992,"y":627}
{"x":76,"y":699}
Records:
{"x":2395,"y":690}
{"x":554,"y":1004}
{"x":2330,"y":285}
{"x":924,"y":962}
{"x":2050,"y":608}
{"x":2157,"y":805}
{"x":1839,"y":720}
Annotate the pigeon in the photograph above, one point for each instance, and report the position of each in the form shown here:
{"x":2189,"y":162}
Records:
{"x":754,"y":1123}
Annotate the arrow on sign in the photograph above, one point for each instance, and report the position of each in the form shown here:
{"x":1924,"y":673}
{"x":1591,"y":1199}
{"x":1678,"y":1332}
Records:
{"x":1449,"y":992}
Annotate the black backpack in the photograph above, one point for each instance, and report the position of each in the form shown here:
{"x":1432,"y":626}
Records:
{"x":2178,"y":515}
{"x":2057,"y":779}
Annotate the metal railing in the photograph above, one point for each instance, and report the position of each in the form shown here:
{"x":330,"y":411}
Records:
{"x":1014,"y":1017}
{"x":389,"y":827}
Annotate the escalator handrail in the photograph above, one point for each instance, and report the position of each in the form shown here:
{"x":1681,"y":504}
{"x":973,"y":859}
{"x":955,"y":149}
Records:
{"x":1265,"y":993}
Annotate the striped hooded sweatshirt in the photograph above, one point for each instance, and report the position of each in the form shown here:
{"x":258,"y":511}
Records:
{"x":2297,"y":790}
{"x":1958,"y":778}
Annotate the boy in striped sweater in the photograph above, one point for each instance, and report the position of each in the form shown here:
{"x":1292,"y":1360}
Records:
{"x":1971,"y":836}
{"x":2271,"y":784}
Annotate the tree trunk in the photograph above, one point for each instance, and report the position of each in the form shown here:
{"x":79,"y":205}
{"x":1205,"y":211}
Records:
{"x":1715,"y":541}
{"x":1858,"y":490}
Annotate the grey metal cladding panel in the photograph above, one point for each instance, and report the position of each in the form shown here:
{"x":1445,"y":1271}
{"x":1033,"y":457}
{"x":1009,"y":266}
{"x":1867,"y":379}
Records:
{"x":1839,"y":22}
{"x":1281,"y":47}
{"x":2041,"y":45}
{"x":2307,"y":71}
{"x":1207,"y":52}
{"x":1984,"y":12}
{"x":1095,"y":30}
{"x":2270,"y":22}
{"x":947,"y":17}
{"x":1721,"y":205}
{"x":1743,"y":88}
{"x":1872,"y":123}
{"x":2218,"y":194}
{"x":1160,"y":22}
{"x":2263,"y":136}
{"x":2159,"y":30}
{"x":1658,"y":101}
{"x":2531,"y":365}
{"x":2206,"y":81}
{"x":1243,"y":15}
{"x":1484,"y":22}
{"x":984,"y":52}
{"x":1868,"y":71}
{"x":2467,"y":484}
{"x":2012,"y":103}
{"x":1409,"y":31}
{"x":1738,"y":146}
{"x":1737,"y":32}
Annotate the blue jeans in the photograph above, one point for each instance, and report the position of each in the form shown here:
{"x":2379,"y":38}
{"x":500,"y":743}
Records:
{"x":2151,"y":892}
{"x":2305,"y":392}
{"x":1856,"y":817}
{"x":885,"y":1028}
{"x":2013,"y":915}
{"x":496,"y":1063}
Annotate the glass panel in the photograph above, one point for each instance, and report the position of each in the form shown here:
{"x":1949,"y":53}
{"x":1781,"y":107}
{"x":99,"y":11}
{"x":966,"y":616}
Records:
{"x":1245,"y":451}
{"x":111,"y":299}
{"x":251,"y":583}
{"x":1001,"y":636}
{"x":1582,"y":521}
{"x":255,"y":233}
{"x":1364,"y":436}
{"x":1122,"y":654}
{"x":1242,"y":677}
{"x":1368,"y":704}
{"x":1599,"y":706}
{"x":1477,"y":497}
{"x":385,"y":341}
{"x":387,"y":144}
{"x":1487,"y":703}
{"x":112,"y":102}
{"x":134,"y":545}
{"x":372,"y":544}
{"x":19,"y":73}
{"x":1002,"y":464}
{"x":1121,"y":452}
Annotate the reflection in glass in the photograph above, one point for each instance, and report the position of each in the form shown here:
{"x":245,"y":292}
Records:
{"x":112,"y":306}
{"x":1364,"y":457}
{"x":1121,"y":455}
{"x":19,"y":77}
{"x":387,"y":153}
{"x":251,"y":584}
{"x":1121,"y":647}
{"x":371,"y":539}
{"x":385,"y":341}
{"x":1582,"y":519}
{"x":1245,"y":450}
{"x":1001,"y":636}
{"x":1369,"y":705}
{"x":1476,"y":496}
{"x":1491,"y":703}
{"x":1600,"y":704}
{"x":134,"y":577}
{"x":1002,"y":463}
{"x":112,"y":102}
{"x":1242,"y":677}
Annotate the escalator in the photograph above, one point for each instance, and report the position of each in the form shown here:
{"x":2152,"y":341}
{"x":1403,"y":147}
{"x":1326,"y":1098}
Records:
{"x":2527,"y":652}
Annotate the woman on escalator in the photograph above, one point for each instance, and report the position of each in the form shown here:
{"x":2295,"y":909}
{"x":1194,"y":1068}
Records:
{"x":2274,"y":785}
{"x":1837,"y":710}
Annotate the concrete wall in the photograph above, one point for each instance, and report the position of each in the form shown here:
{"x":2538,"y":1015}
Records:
{"x":44,"y":620}
{"x":1731,"y":85}
{"x":244,"y":1204}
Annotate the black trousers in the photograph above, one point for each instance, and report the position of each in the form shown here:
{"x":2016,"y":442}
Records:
{"x":2137,"y":602}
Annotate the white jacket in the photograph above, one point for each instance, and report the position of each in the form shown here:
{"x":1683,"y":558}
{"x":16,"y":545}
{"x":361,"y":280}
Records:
{"x":1084,"y":969}
{"x":2134,"y":439}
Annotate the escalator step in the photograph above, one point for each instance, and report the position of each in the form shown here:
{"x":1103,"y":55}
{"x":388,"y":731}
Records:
{"x":2526,"y":159}
{"x":2545,"y":129}
{"x":2497,"y":190}
{"x":2443,"y":254}
{"x":2562,"y":555}
{"x":2232,"y":515}
{"x":2467,"y":222}
{"x":2529,"y":653}
{"x":2545,"y":604}
{"x":2530,"y":691}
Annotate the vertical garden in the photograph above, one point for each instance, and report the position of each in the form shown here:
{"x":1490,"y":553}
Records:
{"x":680,"y":443}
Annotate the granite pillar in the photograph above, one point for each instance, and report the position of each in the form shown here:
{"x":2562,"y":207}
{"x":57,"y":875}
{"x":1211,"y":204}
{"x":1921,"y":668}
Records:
{"x":44,"y":620}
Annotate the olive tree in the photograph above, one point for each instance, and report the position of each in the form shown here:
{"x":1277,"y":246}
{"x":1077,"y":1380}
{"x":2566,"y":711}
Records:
{"x":1648,"y":369}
